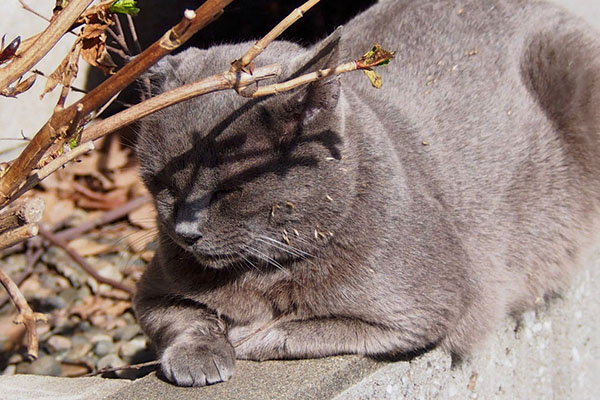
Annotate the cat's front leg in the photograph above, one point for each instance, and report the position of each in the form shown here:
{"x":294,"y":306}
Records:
{"x":199,"y":355}
{"x":191,"y":341}
{"x":321,"y":337}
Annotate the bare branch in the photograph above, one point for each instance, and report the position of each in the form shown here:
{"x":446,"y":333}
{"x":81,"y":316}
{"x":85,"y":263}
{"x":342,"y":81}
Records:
{"x":60,"y":122}
{"x":83,"y":263}
{"x":26,"y":315}
{"x":54,"y":165}
{"x":31,"y":10}
{"x":262,"y":44}
{"x":38,"y":49}
{"x":25,"y":212}
{"x":226,"y":80}
{"x":134,"y":35}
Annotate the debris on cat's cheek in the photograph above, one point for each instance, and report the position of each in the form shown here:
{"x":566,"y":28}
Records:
{"x":273,"y":209}
{"x":328,"y":197}
{"x":318,"y":234}
{"x":289,"y":204}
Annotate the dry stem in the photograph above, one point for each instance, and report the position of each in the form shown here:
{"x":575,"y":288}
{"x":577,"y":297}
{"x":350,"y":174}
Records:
{"x":17,"y":235}
{"x":62,"y":120}
{"x":83,"y":263}
{"x":305,"y":79}
{"x":226,"y":80}
{"x":26,"y":315}
{"x":54,"y":165}
{"x":262,"y":44}
{"x":31,"y":55}
{"x":26,"y":212}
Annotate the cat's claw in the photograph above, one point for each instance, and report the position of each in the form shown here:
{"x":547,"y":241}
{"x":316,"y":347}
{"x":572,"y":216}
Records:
{"x":189,"y":364}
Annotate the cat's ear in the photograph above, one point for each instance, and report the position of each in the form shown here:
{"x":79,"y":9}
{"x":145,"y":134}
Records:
{"x":321,"y":97}
{"x":171,"y":71}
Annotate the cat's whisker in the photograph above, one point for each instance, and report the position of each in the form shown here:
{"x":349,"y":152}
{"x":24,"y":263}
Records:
{"x":283,"y":247}
{"x":247,"y":261}
{"x":266,"y":258}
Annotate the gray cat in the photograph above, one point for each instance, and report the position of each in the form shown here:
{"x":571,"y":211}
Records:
{"x":341,"y":219}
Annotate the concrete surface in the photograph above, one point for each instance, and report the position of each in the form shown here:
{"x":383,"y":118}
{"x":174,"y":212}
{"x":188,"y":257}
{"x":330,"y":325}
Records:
{"x":553,"y":353}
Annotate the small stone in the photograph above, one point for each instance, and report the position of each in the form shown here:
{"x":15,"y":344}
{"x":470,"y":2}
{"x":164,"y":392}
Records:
{"x":129,"y":349}
{"x":104,"y":347}
{"x":46,"y":365}
{"x":78,"y":352}
{"x":70,"y":294}
{"x":79,"y":339}
{"x":98,"y":337}
{"x":59,"y":343}
{"x":110,"y":361}
{"x":127,"y":332}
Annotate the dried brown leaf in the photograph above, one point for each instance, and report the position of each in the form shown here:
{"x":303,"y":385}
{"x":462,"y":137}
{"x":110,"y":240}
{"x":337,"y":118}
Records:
{"x":66,"y":72}
{"x":20,"y":87}
{"x":144,"y":217}
{"x":94,"y":53}
{"x":87,"y":247}
{"x":93,"y":37}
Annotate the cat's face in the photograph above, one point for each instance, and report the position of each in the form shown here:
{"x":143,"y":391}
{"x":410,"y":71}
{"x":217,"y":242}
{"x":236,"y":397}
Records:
{"x":247,"y":182}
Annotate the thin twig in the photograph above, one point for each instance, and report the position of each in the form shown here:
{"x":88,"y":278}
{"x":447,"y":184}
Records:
{"x":60,"y":121}
{"x":305,"y":79}
{"x":134,"y":35}
{"x":118,"y":52}
{"x":226,"y":80}
{"x":83,"y":263}
{"x":154,"y":363}
{"x":120,"y":41}
{"x":31,"y":10}
{"x":26,"y":315}
{"x":26,"y":273}
{"x":107,"y":217}
{"x":55,"y":165}
{"x":52,"y":34}
{"x":262,"y":44}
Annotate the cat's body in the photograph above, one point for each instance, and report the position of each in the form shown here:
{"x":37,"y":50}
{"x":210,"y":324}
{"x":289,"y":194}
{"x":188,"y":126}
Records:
{"x":344,"y":219}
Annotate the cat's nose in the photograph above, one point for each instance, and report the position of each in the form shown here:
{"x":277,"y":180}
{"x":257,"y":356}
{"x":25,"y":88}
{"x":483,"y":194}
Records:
{"x":188,"y":232}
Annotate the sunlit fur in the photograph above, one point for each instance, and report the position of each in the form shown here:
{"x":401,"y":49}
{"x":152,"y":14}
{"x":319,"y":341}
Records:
{"x":338,"y":218}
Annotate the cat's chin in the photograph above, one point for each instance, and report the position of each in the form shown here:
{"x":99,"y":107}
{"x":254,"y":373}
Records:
{"x":220,"y":261}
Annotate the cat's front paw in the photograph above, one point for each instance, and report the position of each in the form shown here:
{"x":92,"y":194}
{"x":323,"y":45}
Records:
{"x":198,"y":364}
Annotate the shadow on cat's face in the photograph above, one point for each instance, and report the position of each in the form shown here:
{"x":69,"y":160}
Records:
{"x":262,"y":187}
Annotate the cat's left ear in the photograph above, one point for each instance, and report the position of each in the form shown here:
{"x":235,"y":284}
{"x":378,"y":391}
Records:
{"x":321,"y":96}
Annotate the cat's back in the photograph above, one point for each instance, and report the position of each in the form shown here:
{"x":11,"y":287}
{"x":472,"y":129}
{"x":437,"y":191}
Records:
{"x":483,"y":86}
{"x":495,"y":105}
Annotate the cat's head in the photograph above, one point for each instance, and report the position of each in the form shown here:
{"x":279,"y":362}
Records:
{"x":247,"y":182}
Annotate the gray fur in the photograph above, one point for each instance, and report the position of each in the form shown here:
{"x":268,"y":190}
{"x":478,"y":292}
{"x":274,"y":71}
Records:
{"x":344,"y":219}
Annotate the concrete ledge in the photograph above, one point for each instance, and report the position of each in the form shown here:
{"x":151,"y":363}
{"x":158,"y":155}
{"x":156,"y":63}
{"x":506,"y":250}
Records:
{"x":551,"y":353}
